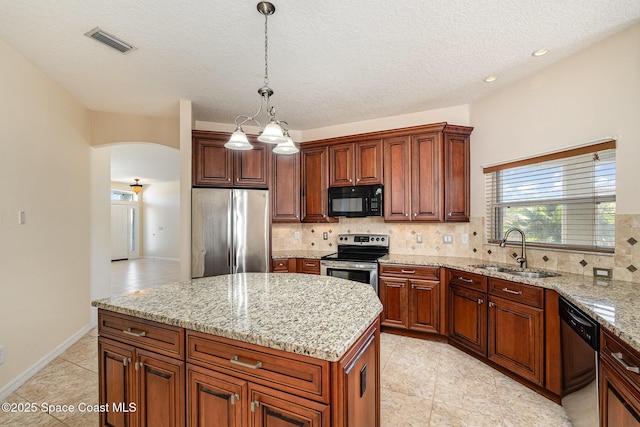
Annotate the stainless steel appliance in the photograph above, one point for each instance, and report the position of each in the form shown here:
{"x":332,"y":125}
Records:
{"x":229,"y":231}
{"x":359,"y":201}
{"x":579,"y":336}
{"x":357,"y":258}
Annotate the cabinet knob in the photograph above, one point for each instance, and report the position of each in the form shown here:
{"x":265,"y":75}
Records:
{"x":415,"y":214}
{"x":406,"y":214}
{"x":491,"y":304}
{"x":480,"y":301}
{"x":358,"y":180}
{"x":350,"y":180}
{"x":449,"y":214}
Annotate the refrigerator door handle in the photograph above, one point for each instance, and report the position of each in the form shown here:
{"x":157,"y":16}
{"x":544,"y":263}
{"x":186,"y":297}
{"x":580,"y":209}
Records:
{"x":230,"y":231}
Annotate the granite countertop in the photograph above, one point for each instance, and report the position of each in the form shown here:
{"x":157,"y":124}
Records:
{"x":300,"y":254}
{"x":317,"y":316}
{"x":612,"y":303}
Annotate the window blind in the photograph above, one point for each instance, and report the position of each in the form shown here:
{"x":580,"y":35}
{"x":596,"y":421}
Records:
{"x":564,"y":200}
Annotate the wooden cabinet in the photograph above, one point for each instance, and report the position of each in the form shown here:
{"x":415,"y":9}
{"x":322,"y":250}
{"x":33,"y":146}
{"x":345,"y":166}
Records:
{"x":426,"y":175}
{"x":283,"y":265}
{"x":315,"y":182}
{"x":501,"y":320}
{"x":308,"y":265}
{"x":152,"y":374}
{"x":216,"y":166}
{"x":358,"y":163}
{"x":296,"y":265}
{"x":285,"y":188}
{"x":468,"y":310}
{"x":619,"y":382}
{"x":139,"y":385}
{"x":411,"y":297}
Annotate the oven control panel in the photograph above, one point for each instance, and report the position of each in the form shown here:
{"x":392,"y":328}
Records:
{"x":364,"y":239}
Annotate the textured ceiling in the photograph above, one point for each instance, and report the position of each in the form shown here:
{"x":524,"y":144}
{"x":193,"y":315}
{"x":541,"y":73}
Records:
{"x":330,"y":62}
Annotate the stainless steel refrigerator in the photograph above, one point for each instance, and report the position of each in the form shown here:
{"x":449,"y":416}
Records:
{"x":229,"y":231}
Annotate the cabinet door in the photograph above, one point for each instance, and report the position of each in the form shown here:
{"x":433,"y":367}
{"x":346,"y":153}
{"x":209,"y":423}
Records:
{"x":161,"y":382}
{"x":215,"y":399}
{"x":315,"y":181}
{"x":271,"y":408}
{"x":424,"y":306}
{"x":283,"y":265}
{"x":341,"y":164}
{"x":427,"y":179}
{"x":619,"y":401}
{"x":251,"y":167}
{"x":397,"y":179}
{"x":117,"y":382}
{"x":285,"y":188}
{"x":468,"y":318}
{"x":368,"y":162}
{"x":394,"y":298}
{"x":456,"y":182}
{"x":212,"y":163}
{"x":516,"y":338}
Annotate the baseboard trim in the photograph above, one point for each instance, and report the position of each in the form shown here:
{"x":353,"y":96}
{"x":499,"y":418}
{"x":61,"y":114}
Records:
{"x":25,"y":376}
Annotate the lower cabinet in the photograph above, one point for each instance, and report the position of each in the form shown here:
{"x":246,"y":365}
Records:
{"x":151,"y":374}
{"x":619,"y":382}
{"x":411,"y":297}
{"x":296,"y":265}
{"x":501,"y":320}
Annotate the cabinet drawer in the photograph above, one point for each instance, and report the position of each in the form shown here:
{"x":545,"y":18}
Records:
{"x":519,"y":292}
{"x":468,"y":280}
{"x":146,"y":334}
{"x":289,"y":372}
{"x":410,"y":271}
{"x":309,"y":265}
{"x":280,"y":265}
{"x":621,"y":357}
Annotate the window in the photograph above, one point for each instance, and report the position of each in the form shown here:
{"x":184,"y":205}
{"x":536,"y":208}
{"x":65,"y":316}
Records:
{"x":127,"y":196}
{"x":564,"y":200}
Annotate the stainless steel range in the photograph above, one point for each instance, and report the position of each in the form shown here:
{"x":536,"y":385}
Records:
{"x":357,"y":258}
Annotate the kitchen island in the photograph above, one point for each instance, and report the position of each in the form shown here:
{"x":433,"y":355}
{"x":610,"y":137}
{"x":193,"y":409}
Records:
{"x":247,"y":349}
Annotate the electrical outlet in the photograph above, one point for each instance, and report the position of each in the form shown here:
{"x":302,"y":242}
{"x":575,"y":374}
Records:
{"x":447,"y":238}
{"x":1,"y":354}
{"x":296,"y":235}
{"x":464,"y":239}
{"x":602,"y":273}
{"x":325,"y":235}
{"x":419,"y":238}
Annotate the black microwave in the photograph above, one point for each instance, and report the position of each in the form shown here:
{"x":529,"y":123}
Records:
{"x":360,"y":201}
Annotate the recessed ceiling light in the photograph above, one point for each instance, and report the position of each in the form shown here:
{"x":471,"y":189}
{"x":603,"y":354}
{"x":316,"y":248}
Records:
{"x":540,"y":52}
{"x":491,"y":79}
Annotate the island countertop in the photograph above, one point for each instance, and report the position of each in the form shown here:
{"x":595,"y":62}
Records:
{"x":317,"y":316}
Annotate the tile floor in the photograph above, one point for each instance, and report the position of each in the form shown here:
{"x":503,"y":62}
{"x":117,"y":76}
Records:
{"x":423,"y":383}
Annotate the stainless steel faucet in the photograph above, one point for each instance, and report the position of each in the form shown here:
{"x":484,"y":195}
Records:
{"x":522,"y":259}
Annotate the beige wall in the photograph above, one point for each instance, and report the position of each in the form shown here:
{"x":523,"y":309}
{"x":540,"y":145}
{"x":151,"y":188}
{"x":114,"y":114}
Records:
{"x":160,"y":220}
{"x":593,"y":94}
{"x":109,"y":128}
{"x":44,"y":170}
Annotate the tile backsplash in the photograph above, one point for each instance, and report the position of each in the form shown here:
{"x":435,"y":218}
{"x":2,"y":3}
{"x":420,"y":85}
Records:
{"x":403,"y":239}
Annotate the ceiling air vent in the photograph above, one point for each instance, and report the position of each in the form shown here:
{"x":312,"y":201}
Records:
{"x":110,"y":40}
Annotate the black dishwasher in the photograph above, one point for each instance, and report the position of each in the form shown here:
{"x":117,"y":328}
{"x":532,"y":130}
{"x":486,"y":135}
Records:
{"x":579,"y":336}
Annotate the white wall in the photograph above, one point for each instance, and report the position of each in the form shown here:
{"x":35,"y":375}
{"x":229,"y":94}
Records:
{"x":160,"y":220}
{"x":44,"y":170}
{"x":592,"y":94}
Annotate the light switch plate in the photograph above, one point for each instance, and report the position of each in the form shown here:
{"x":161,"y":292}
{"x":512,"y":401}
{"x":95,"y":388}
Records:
{"x":22,"y":217}
{"x":1,"y":354}
{"x":419,"y":238}
{"x":464,"y":239}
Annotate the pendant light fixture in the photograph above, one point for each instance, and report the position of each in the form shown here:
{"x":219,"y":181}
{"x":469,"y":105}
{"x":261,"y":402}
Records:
{"x":137,"y":187}
{"x":275,"y":131}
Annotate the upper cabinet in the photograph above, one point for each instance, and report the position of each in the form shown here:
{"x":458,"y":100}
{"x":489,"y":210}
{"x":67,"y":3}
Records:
{"x":285,"y":188}
{"x":357,"y":163}
{"x":216,"y":166}
{"x":426,"y":174}
{"x":315,"y":182}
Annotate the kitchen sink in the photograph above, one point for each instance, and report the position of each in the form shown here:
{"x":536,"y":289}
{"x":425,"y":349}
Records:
{"x":515,"y":272}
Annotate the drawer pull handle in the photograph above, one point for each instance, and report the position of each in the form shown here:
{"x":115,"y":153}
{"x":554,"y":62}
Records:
{"x":511,"y":292}
{"x":236,"y":361}
{"x":310,"y":264}
{"x":408,"y":271}
{"x":618,"y":357}
{"x":133,"y":333}
{"x":463,"y":279}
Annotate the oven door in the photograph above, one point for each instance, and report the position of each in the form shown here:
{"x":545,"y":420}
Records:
{"x":364,"y":272}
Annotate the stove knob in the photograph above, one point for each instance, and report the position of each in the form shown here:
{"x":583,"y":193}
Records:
{"x":383,"y":239}
{"x":378,"y":239}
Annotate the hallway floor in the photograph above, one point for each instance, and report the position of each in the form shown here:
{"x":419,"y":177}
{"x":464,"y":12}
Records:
{"x":424,"y":383}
